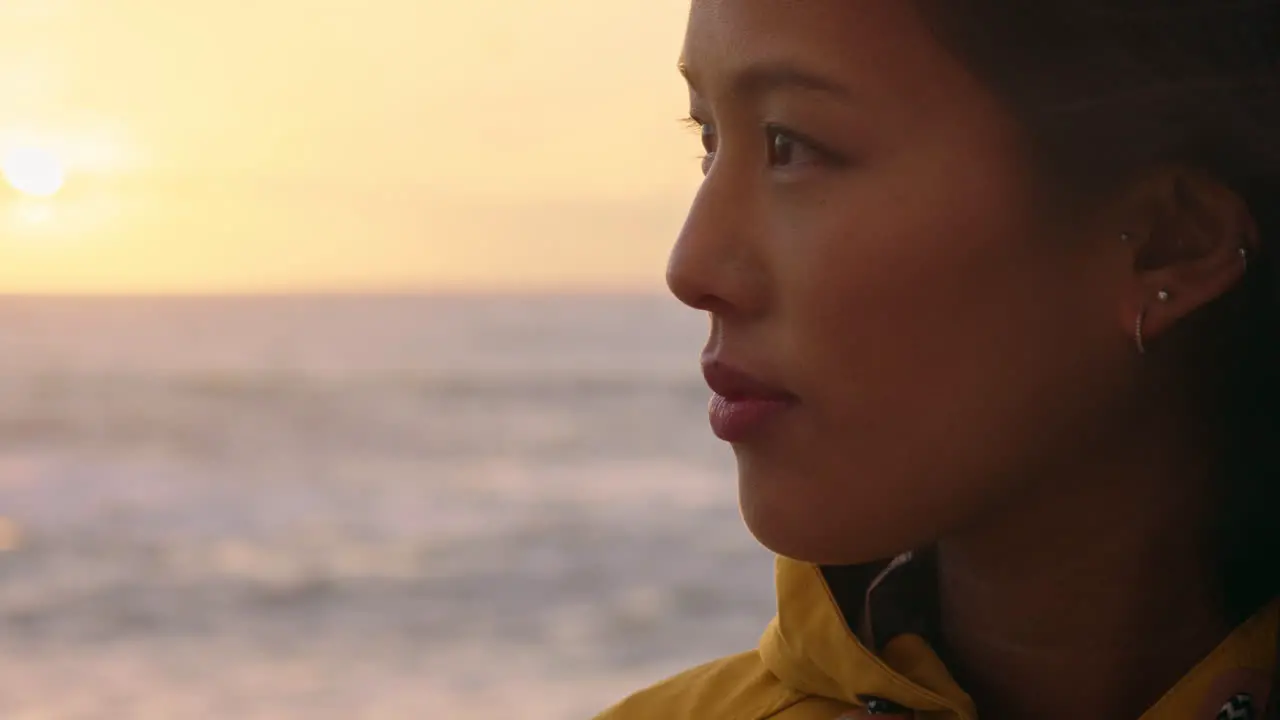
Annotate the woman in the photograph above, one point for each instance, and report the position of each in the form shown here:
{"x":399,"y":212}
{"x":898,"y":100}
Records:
{"x":995,"y":339}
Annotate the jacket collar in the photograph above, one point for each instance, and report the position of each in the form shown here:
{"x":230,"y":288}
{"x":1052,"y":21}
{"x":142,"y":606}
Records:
{"x":810,"y":647}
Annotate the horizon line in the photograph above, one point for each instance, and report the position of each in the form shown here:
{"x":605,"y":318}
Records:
{"x":577,"y":291}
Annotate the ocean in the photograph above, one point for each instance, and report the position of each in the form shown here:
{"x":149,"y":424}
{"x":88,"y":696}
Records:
{"x":360,"y":507}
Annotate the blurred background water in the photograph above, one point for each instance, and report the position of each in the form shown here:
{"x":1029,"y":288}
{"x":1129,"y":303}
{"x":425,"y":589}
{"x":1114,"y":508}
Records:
{"x":239,"y":476}
{"x":360,"y":507}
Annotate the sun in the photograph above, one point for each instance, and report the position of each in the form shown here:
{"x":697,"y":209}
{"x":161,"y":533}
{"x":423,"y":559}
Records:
{"x":33,"y":171}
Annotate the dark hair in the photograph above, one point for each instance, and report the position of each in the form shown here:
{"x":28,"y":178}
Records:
{"x":1107,"y":89}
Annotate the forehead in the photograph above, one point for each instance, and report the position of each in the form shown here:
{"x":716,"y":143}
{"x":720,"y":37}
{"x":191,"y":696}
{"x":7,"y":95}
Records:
{"x":867,"y":45}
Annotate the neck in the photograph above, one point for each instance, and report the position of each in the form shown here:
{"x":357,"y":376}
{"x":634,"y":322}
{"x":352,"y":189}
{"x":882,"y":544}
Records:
{"x":1074,"y":605}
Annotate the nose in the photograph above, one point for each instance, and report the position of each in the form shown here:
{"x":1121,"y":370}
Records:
{"x":717,"y":263}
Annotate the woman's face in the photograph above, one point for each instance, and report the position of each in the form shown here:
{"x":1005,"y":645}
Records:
{"x":870,"y":242}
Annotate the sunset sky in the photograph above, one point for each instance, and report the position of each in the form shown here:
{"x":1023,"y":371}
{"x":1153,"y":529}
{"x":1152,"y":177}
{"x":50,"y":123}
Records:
{"x":345,"y":145}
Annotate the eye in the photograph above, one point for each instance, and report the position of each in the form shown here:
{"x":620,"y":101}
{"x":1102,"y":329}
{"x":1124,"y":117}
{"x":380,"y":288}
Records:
{"x":708,"y":134}
{"x":709,"y":143}
{"x":785,"y":148}
{"x":709,"y":138}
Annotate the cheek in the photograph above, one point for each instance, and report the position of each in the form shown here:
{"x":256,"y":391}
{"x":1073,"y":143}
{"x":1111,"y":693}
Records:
{"x":927,"y":343}
{"x":907,"y":283}
{"x":916,"y":318}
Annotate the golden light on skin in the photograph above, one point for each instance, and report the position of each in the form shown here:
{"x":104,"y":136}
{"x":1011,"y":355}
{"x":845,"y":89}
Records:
{"x":33,"y":171}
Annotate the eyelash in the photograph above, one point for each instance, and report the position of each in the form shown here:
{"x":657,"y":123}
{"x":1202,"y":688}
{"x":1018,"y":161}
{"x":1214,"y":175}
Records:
{"x":694,"y":125}
{"x":691,"y":122}
{"x":772,"y":130}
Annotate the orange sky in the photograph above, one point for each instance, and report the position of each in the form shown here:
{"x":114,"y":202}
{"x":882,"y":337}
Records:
{"x":280,"y":145}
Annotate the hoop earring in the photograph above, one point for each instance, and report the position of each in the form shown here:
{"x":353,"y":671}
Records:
{"x":1162,"y":296}
{"x":1137,"y":331}
{"x":1244,"y":258}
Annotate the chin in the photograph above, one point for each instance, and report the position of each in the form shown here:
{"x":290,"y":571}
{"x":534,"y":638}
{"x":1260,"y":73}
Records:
{"x":807,"y":527}
{"x":804,"y":545}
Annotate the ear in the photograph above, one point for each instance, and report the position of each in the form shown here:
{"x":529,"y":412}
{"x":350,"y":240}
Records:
{"x":1190,"y":239}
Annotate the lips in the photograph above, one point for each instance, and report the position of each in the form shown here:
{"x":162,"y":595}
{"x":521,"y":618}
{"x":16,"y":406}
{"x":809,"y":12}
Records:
{"x":742,"y":405}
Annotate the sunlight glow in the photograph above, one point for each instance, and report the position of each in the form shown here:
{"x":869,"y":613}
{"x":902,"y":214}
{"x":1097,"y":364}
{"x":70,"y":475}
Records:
{"x":33,"y":171}
{"x":348,"y":154}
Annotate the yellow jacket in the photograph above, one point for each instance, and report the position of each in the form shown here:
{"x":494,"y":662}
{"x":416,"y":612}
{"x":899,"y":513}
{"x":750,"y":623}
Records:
{"x":810,"y":666}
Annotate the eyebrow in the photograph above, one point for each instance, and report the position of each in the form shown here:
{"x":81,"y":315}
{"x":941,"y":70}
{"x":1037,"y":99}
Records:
{"x":763,"y":78}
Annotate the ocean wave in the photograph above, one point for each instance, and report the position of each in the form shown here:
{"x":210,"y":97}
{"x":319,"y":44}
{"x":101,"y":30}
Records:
{"x":267,"y":386}
{"x":617,"y":596}
{"x":225,"y":415}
